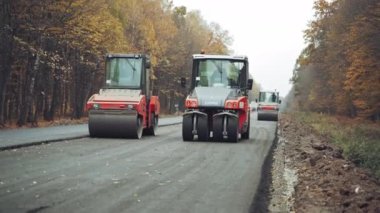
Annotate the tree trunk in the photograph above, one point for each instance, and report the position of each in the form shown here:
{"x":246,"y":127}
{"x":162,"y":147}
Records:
{"x":4,"y":75}
{"x":29,"y":90}
{"x":55,"y":102}
{"x":77,"y":88}
{"x":6,"y":46}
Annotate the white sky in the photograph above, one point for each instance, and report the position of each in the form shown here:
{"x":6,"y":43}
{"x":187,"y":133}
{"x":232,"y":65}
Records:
{"x":269,"y":32}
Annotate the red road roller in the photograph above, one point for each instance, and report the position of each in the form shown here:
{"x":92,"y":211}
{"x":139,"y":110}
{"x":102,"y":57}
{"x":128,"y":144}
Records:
{"x":218,"y":101}
{"x":268,"y":106}
{"x":124,"y":106}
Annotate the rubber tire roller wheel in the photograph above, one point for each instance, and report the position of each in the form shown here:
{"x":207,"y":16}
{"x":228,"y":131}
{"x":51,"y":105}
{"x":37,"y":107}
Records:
{"x":139,"y":128}
{"x":187,"y":127}
{"x":233,"y":129}
{"x":152,"y":130}
{"x":218,"y":129}
{"x":202,"y":128}
{"x":245,"y":135}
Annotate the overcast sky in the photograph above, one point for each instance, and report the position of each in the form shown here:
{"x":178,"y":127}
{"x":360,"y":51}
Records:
{"x":269,"y":32}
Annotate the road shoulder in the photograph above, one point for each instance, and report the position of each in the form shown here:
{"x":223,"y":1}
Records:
{"x":310,"y":175}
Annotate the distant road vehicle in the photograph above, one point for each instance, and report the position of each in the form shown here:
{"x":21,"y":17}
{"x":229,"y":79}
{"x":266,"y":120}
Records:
{"x":268,"y":105}
{"x":253,"y":106}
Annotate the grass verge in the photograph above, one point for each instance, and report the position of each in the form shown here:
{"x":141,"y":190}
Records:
{"x":359,"y":140}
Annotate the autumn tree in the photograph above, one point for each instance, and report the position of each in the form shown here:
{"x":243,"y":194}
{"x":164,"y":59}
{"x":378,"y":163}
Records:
{"x":338,"y":70}
{"x":363,"y":71}
{"x":6,"y":47}
{"x":52,"y":52}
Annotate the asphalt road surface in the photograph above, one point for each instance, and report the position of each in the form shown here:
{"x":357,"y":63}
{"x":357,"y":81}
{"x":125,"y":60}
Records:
{"x":154,"y":174}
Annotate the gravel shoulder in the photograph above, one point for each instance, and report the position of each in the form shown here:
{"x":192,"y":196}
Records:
{"x":309,"y":174}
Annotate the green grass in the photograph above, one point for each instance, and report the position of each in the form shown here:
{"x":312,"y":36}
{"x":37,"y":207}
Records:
{"x":360,"y":140}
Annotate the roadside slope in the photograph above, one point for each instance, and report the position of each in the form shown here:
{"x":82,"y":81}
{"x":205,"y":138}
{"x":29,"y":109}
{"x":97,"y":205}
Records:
{"x":324,"y":181}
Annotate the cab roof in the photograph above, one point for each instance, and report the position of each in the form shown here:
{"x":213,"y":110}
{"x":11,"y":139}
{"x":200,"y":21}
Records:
{"x":125,"y":55}
{"x":204,"y":56}
{"x":271,"y":91}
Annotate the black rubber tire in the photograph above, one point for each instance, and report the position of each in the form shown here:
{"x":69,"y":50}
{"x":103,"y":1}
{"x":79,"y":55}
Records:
{"x":139,"y":127}
{"x":202,"y":128}
{"x":152,"y":130}
{"x":245,"y":135}
{"x":233,"y":129}
{"x":187,"y":127}
{"x":217,"y":129}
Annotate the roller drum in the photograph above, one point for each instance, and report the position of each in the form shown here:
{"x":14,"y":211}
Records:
{"x":267,"y":116}
{"x":115,"y":123}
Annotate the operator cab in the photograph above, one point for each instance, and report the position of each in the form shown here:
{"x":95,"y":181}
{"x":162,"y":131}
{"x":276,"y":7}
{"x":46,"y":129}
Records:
{"x":269,"y":97}
{"x":127,"y":71}
{"x":230,"y":72}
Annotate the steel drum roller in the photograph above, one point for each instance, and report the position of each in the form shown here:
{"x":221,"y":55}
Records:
{"x":268,"y":116}
{"x":115,"y":123}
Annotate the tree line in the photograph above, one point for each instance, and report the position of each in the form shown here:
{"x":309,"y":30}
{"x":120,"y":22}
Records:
{"x":52,"y":52}
{"x":339,"y":70}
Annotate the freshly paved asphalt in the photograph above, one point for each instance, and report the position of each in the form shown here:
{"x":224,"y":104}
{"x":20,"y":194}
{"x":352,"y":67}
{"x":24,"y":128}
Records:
{"x":16,"y":138}
{"x":154,"y":174}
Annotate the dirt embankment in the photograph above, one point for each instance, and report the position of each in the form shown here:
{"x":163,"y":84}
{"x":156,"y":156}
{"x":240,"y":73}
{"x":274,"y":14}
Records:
{"x":311,"y":175}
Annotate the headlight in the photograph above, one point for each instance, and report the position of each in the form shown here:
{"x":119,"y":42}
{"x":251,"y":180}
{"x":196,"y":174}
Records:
{"x":191,"y":103}
{"x":231,"y":104}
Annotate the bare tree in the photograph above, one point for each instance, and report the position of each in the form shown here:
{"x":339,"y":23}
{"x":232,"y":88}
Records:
{"x":6,"y":45}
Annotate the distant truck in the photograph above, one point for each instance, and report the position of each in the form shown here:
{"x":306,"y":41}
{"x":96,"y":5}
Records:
{"x":268,"y":105}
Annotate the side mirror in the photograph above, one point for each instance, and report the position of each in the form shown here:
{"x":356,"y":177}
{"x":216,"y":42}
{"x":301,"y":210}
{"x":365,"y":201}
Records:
{"x":147,"y":63}
{"x":183,"y":82}
{"x":250,"y":84}
{"x":279,"y":101}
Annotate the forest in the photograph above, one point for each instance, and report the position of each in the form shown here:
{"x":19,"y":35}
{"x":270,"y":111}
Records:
{"x":52,"y":52}
{"x":338,"y":73}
